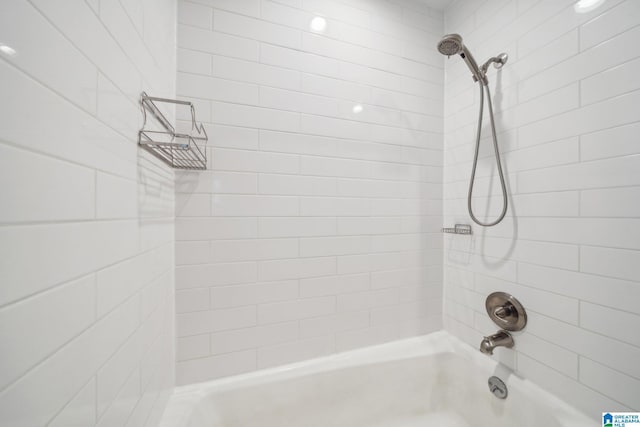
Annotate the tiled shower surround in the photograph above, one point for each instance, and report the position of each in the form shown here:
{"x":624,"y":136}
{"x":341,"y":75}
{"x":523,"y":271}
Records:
{"x":316,"y":228}
{"x":86,"y":218}
{"x":568,"y":112}
{"x":337,"y":151}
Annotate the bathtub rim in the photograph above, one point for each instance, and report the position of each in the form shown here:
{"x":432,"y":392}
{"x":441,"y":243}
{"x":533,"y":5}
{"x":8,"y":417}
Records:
{"x":185,"y":398}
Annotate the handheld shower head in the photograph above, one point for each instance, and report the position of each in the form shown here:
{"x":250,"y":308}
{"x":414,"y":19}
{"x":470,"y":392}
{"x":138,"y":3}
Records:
{"x":451,"y":44}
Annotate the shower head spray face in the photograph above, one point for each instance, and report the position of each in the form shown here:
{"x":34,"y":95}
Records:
{"x":451,"y":44}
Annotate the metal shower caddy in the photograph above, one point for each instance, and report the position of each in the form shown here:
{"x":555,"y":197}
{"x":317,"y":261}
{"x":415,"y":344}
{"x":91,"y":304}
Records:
{"x":179,"y":150}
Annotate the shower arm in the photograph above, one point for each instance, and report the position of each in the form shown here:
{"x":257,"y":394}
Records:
{"x":497,"y":61}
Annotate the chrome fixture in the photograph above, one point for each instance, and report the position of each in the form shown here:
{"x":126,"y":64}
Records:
{"x":497,"y":61}
{"x":451,"y":44}
{"x":458,"y":229}
{"x":499,"y":339}
{"x":181,"y":150}
{"x":506,"y":311}
{"x":509,"y":315}
{"x":498,"y":387}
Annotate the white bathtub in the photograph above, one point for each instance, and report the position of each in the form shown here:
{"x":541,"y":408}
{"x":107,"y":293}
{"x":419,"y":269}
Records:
{"x":433,"y":380}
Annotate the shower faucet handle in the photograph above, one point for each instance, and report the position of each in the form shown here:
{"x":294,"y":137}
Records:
{"x":503,"y":312}
{"x":506,"y":311}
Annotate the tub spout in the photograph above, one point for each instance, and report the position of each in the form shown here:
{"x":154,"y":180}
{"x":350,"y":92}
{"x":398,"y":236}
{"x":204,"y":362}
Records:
{"x":499,"y":339}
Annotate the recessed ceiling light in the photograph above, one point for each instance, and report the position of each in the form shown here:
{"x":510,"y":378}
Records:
{"x":357,"y":109}
{"x":318,"y":24}
{"x":584,"y":6}
{"x":7,"y":50}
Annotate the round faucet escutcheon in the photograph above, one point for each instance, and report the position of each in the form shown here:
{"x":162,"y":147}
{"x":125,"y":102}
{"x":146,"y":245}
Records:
{"x":498,"y":387}
{"x":506,"y":311}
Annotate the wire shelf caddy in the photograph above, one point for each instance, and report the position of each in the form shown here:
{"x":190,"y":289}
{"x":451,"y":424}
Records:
{"x":180,"y":150}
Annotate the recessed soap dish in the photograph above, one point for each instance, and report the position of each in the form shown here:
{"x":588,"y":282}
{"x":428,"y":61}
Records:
{"x":458,"y":229}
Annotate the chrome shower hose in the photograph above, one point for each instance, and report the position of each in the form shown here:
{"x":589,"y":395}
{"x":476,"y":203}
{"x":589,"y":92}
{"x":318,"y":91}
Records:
{"x":484,"y":87}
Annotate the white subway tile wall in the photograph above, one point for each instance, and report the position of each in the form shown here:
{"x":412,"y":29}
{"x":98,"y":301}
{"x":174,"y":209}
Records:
{"x":86,"y":225}
{"x":567,"y":116}
{"x":316,"y":228}
{"x":335,"y":157}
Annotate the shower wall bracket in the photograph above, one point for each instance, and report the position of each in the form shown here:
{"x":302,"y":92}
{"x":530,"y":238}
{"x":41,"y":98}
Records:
{"x":180,"y":150}
{"x":458,"y":229}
